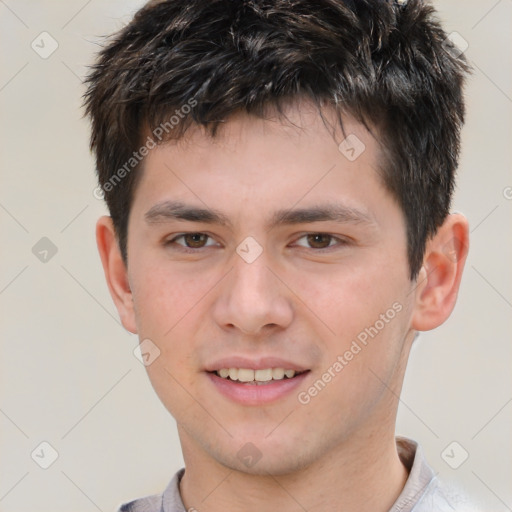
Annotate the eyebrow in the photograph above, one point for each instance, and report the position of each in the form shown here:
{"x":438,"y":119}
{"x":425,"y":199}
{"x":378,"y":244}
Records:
{"x":166,"y":211}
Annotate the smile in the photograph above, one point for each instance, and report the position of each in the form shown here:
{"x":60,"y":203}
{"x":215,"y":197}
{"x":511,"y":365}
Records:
{"x":249,"y":376}
{"x":251,"y":387}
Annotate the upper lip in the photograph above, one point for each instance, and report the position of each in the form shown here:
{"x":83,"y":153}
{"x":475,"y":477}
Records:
{"x":260,"y":363}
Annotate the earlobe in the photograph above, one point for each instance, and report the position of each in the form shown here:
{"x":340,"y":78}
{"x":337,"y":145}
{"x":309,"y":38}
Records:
{"x":439,"y":279}
{"x":115,"y":271}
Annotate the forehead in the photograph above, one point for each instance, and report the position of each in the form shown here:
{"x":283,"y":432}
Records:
{"x":289,"y":159}
{"x":298,"y":120}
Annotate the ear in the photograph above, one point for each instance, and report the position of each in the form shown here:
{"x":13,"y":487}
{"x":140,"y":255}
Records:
{"x":440,"y":276}
{"x":116,"y":273}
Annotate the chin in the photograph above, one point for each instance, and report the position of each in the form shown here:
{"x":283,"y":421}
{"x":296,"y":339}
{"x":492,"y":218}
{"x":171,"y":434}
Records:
{"x":277,"y":465}
{"x":259,"y":456}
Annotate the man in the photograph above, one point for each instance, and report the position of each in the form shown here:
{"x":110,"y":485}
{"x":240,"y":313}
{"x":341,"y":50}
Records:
{"x":279,"y":177}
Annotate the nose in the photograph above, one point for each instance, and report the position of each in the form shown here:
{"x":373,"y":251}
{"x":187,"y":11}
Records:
{"x":253,"y":299}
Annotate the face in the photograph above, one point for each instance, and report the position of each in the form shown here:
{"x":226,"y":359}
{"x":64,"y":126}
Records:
{"x":263,"y":251}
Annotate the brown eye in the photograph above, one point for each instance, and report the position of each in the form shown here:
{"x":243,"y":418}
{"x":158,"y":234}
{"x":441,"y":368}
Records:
{"x":195,"y":240}
{"x":319,"y":240}
{"x":191,"y":241}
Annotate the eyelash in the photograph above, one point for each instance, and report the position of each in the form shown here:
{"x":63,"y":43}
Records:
{"x":340,"y":242}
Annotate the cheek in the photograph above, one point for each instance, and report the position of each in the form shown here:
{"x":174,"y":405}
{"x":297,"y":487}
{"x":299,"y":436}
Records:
{"x":348,"y":300}
{"x":173,"y":384}
{"x":166,"y":308}
{"x":162,"y":299}
{"x":367,"y":310}
{"x":164,"y":304}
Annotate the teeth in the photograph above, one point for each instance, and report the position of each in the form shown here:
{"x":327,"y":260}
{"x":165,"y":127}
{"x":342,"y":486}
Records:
{"x":277,"y":373}
{"x":263,"y":375}
{"x":245,"y":375}
{"x":248,"y":375}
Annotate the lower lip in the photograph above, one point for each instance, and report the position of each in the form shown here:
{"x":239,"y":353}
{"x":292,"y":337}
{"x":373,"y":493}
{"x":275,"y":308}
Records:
{"x":256,"y":394}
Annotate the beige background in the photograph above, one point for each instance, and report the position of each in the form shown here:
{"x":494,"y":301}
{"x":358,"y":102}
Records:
{"x":68,"y":374}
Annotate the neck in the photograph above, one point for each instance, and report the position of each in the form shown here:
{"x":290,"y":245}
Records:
{"x":363,"y":474}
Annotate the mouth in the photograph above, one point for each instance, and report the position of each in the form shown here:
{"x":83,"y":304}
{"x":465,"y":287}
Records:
{"x":260,"y":377}
{"x":251,"y":387}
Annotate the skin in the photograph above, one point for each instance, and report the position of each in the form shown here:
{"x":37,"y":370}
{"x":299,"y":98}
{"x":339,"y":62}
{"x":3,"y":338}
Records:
{"x":297,"y":300}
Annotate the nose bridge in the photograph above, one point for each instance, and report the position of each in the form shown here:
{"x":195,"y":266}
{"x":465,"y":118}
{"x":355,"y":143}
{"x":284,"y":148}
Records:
{"x":252,"y":297}
{"x":251,"y":281}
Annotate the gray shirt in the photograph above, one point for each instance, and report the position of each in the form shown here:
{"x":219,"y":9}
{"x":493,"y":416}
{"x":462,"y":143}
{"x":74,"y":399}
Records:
{"x":423,"y":492}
